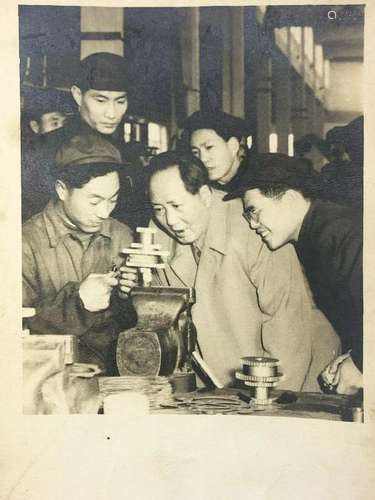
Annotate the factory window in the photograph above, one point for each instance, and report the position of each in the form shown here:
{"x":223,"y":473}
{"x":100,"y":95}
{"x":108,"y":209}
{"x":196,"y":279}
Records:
{"x":273,"y":143}
{"x":326,"y":74}
{"x":249,"y":142}
{"x":308,"y":34}
{"x":290,"y":144}
{"x":127,"y":132}
{"x":319,"y":60}
{"x":157,"y":137}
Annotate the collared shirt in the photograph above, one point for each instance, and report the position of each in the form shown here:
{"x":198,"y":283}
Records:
{"x":56,"y":259}
{"x":60,"y":254}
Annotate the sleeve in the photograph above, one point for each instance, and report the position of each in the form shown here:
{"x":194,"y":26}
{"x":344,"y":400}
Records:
{"x":282,"y":300}
{"x":62,"y":313}
{"x":123,"y":312}
{"x":353,"y":273}
{"x":341,"y":242}
{"x":347,"y":263}
{"x":339,"y":245}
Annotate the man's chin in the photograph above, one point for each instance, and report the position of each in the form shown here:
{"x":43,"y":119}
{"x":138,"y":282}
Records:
{"x":273,"y":245}
{"x":106,"y":130}
{"x":185,"y":239}
{"x":213,"y":176}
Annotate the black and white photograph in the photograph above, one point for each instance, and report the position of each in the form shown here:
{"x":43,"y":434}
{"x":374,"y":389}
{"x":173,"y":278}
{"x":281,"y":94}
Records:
{"x":190,"y":232}
{"x":192,"y":209}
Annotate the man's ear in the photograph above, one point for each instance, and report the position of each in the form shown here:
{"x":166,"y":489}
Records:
{"x":77,"y":95}
{"x":61,"y":190}
{"x":292,"y":195}
{"x":34,"y":125}
{"x":234,"y":145}
{"x":206,"y":195}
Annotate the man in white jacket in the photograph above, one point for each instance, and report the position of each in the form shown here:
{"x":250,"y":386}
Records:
{"x":249,"y":300}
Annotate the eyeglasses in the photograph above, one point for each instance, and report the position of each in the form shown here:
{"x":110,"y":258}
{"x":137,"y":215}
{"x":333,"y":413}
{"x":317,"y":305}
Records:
{"x":250,"y":214}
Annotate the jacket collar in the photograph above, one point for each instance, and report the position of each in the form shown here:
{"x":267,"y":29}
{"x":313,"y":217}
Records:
{"x":217,"y":232}
{"x":181,"y":258}
{"x":217,"y":229}
{"x":58,"y":225}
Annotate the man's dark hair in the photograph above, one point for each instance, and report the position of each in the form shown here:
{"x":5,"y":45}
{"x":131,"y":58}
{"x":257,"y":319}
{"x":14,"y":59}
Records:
{"x":278,"y":190}
{"x":275,"y":173}
{"x":193,"y":173}
{"x":76,"y":177}
{"x":225,"y":125}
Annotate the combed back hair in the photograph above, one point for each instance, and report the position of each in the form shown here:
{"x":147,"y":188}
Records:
{"x":223,"y":124}
{"x":278,"y":190}
{"x":193,"y":173}
{"x":75,"y":177}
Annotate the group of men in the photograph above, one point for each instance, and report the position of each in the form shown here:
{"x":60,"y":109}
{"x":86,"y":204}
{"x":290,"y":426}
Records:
{"x":289,"y":286}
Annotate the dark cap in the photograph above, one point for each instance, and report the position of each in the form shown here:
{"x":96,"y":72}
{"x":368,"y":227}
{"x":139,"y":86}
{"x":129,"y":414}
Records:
{"x":223,"y":124}
{"x":103,"y":71}
{"x":275,"y":169}
{"x":87,"y":149}
{"x":39,"y":101}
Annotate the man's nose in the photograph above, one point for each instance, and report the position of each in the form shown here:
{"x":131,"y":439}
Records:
{"x":110,"y":111}
{"x":104,"y":209}
{"x":171,"y":218}
{"x":204,"y":155}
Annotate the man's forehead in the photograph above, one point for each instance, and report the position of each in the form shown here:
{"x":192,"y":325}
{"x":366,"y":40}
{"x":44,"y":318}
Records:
{"x":167,"y":183}
{"x":110,"y":94}
{"x":106,"y":181}
{"x":202,"y":134}
{"x":253,"y":196}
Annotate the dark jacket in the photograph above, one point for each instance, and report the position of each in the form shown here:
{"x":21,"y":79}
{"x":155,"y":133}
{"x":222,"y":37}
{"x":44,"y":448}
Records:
{"x":37,"y":159}
{"x":234,"y":183}
{"x":330,"y":248}
{"x":342,"y":182}
{"x":54,"y":263}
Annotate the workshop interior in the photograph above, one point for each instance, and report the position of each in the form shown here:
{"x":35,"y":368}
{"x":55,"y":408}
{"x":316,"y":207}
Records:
{"x":294,"y":75}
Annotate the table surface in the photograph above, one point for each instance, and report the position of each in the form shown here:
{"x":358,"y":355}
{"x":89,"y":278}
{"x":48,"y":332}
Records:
{"x":307,"y":405}
{"x":83,"y":396}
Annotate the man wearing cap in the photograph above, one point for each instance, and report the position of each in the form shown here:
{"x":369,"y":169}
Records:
{"x":100,"y":90}
{"x":249,"y":301}
{"x":44,"y":113}
{"x":70,"y":251}
{"x":219,"y":140}
{"x":279,"y":197}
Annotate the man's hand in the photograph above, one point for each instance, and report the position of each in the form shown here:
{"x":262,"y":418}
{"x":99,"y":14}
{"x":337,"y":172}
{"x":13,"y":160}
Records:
{"x":349,"y":378}
{"x":343,"y":374}
{"x":129,"y":278}
{"x":95,"y":291}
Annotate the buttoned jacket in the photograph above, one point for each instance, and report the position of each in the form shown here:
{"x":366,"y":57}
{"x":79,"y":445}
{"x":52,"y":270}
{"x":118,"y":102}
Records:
{"x":54,"y":263}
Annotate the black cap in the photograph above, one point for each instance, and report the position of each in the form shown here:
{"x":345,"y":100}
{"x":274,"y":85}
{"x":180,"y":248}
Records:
{"x":39,"y":101}
{"x":103,"y":71}
{"x":223,"y":124}
{"x":275,"y":169}
{"x":87,"y":149}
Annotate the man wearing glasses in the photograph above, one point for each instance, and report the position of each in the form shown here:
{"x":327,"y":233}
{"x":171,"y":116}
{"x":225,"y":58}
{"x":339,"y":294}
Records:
{"x":250,"y":301}
{"x":281,"y":205}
